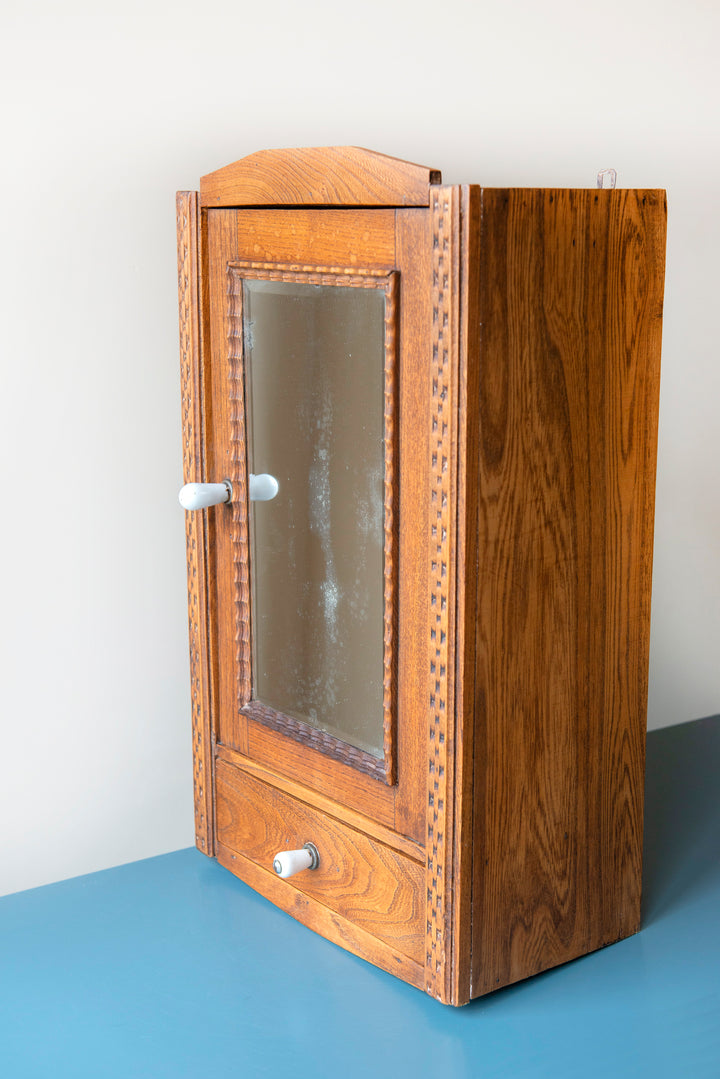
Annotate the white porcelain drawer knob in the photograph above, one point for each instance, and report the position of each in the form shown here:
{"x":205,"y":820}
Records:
{"x":197,"y":496}
{"x":289,"y":862}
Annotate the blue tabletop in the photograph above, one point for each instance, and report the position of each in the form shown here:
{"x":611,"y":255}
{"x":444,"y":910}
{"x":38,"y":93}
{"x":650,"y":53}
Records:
{"x":171,"y":967}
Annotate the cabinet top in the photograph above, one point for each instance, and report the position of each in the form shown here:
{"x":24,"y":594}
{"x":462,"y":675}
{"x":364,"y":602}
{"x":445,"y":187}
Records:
{"x":319,"y":176}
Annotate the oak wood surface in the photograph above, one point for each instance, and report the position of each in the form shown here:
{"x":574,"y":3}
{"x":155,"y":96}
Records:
{"x":325,"y":803}
{"x":413,"y":254}
{"x":569,"y":301}
{"x":319,"y":176}
{"x":232,"y":240}
{"x":308,"y":238}
{"x":359,"y":878}
{"x":328,"y":923}
{"x":287,"y":757}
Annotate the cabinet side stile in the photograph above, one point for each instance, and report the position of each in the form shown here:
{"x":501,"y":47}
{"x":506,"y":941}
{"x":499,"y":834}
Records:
{"x":195,"y":522}
{"x":466,"y":560}
{"x":443,"y":740}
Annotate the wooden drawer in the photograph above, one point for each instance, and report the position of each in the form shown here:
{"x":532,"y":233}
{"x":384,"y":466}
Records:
{"x":375,"y":888}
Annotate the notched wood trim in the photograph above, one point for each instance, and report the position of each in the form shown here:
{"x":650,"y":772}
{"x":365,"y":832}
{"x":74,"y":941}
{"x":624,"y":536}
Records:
{"x":195,"y":523}
{"x":238,"y":452}
{"x":441,"y":584}
{"x":310,"y":736}
{"x":384,"y":768}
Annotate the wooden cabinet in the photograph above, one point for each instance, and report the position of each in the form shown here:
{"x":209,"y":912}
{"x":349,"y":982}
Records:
{"x":424,"y":647}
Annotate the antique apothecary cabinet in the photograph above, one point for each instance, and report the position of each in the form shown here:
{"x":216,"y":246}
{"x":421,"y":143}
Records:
{"x":419,"y":434}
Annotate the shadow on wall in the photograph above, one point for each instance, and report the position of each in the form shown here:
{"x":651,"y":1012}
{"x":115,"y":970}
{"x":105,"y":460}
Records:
{"x":682,"y":815}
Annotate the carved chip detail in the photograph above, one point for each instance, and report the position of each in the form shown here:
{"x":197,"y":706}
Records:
{"x":439,"y":819}
{"x":186,"y":206}
{"x":238,"y":451}
{"x":327,"y":744}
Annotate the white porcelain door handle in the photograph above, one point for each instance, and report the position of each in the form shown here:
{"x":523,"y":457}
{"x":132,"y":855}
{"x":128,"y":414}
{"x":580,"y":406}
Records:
{"x":197,"y":496}
{"x":289,"y":862}
{"x":262,"y":488}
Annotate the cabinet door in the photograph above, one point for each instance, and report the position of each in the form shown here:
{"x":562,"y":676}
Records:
{"x":316,"y":353}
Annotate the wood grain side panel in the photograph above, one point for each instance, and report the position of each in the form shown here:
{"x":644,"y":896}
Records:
{"x":570,"y":299}
{"x":633,"y":324}
{"x":375,"y":887}
{"x":327,"y":923}
{"x":192,"y":395}
{"x":321,"y":176}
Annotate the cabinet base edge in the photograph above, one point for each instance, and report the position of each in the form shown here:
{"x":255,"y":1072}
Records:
{"x":492,"y":987}
{"x":321,"y":919}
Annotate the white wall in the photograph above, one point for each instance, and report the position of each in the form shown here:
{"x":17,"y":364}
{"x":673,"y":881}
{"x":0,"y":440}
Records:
{"x":109,"y":109}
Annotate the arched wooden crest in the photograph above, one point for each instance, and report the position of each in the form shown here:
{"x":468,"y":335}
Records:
{"x":319,"y":176}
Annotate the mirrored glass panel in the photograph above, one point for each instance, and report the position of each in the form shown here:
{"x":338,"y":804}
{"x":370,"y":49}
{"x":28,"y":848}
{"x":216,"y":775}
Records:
{"x":314,"y":391}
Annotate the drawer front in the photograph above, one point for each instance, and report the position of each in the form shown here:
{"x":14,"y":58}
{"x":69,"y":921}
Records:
{"x":364,"y":881}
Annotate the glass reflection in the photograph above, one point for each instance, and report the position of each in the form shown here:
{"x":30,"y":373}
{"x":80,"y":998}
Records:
{"x":314,"y":391}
